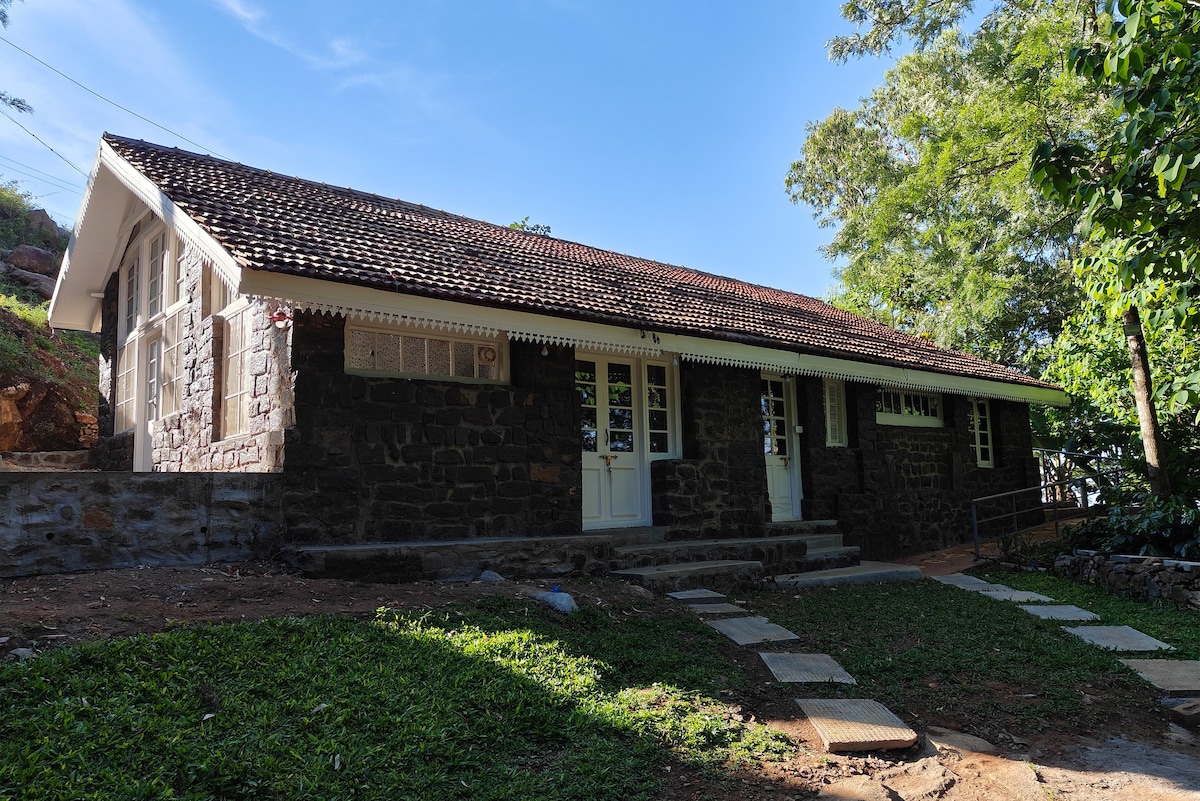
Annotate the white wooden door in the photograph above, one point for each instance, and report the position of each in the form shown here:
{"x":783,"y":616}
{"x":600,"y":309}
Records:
{"x":615,"y":480}
{"x":779,"y":448}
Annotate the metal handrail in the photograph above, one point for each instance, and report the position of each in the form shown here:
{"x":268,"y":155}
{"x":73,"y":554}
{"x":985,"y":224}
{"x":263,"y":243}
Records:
{"x":1041,"y":490}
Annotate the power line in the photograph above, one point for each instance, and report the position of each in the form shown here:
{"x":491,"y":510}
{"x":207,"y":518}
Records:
{"x":52,"y":150}
{"x":40,"y":172}
{"x":111,"y":102}
{"x":47,"y":181}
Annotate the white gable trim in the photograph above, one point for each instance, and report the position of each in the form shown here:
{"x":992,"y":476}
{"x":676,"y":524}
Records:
{"x":371,"y":304}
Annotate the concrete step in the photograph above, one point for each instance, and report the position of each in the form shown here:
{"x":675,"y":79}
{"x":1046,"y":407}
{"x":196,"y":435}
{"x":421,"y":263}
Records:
{"x":828,"y":558}
{"x":863,"y":573}
{"x":692,"y":575}
{"x":777,"y":554}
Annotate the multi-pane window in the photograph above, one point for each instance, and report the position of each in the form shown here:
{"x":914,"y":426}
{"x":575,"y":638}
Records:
{"x":237,"y":383}
{"x":126,"y":374}
{"x":156,"y":266}
{"x":836,"y":434}
{"x":904,"y":408}
{"x":386,"y":353}
{"x":585,"y":388}
{"x":658,"y":416}
{"x":774,"y":415}
{"x":132,"y":293}
{"x":178,"y":272}
{"x":979,"y":423}
{"x":172,"y":364}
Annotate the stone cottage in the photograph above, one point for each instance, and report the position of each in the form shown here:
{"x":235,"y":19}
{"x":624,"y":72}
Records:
{"x":415,"y":375}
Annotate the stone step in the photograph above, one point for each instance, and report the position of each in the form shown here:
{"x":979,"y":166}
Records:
{"x":829,"y":558}
{"x":863,"y":573}
{"x":459,"y":560}
{"x":690,"y":575}
{"x":810,"y":528}
{"x":777,"y":554}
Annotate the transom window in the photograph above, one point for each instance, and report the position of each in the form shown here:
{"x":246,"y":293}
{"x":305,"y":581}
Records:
{"x":392,"y":353}
{"x":900,"y":407}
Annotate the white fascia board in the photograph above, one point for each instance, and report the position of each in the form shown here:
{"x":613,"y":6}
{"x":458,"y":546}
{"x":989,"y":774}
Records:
{"x":358,"y":302}
{"x":91,"y":253}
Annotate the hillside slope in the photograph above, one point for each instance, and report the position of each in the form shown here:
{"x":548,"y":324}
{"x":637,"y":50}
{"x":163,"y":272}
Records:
{"x":48,"y":397}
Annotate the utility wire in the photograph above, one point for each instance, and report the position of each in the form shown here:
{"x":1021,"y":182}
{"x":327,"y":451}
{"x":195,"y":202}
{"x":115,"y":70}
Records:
{"x":110,"y":102}
{"x":49,"y":175}
{"x":43,"y":143}
{"x":48,"y":181}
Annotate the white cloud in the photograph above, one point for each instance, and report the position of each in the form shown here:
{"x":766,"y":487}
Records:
{"x":337,"y":53}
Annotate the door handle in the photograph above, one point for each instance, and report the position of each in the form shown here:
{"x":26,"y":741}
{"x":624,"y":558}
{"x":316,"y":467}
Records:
{"x":608,"y":458}
{"x":787,"y":462}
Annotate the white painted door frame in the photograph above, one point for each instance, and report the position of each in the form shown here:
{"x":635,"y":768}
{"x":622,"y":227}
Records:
{"x":615,"y":457}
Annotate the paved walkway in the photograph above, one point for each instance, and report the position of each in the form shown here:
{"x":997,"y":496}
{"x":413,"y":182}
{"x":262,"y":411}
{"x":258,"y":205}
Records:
{"x":853,"y":724}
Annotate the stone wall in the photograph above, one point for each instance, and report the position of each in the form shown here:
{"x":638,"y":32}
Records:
{"x":1140,"y":577}
{"x":59,"y":522}
{"x":191,"y":438}
{"x":387,"y":459}
{"x":902,"y":489}
{"x":719,"y":487}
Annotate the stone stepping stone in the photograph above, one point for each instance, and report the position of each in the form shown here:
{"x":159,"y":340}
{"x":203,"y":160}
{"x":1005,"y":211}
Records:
{"x":697,"y":596}
{"x":1021,"y":596}
{"x":751,"y":630}
{"x":1175,"y":677}
{"x":1117,"y":638}
{"x":806,"y":668}
{"x":856,"y":724}
{"x":718,"y":609}
{"x":1061,"y":612}
{"x":965,"y":582}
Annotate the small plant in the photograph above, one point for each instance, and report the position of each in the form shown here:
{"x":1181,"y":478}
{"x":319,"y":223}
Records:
{"x":1144,"y":524}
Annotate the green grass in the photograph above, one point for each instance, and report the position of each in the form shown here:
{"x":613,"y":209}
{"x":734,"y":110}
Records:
{"x":500,"y":700}
{"x":936,"y":653}
{"x":1159,"y":618}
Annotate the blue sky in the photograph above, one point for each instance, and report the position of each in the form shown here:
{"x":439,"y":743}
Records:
{"x":658,"y":129}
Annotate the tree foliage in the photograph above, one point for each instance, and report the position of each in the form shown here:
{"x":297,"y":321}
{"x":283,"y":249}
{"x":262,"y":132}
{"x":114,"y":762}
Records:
{"x":938,"y":231}
{"x":1139,"y":189}
{"x":6,"y":99}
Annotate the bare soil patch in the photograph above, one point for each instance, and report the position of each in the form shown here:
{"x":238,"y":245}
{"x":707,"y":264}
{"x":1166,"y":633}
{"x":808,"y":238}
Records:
{"x":1126,"y":756}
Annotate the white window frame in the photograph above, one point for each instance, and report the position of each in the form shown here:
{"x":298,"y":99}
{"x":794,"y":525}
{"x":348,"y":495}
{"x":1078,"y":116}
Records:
{"x":912,"y":405}
{"x":125,"y":389}
{"x":236,"y":394}
{"x":981,"y":436}
{"x":836,"y":426}
{"x":671,"y":406}
{"x":482,"y":346}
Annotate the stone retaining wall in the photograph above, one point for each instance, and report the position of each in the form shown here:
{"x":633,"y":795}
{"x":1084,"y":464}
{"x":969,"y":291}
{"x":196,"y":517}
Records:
{"x":1140,"y":577}
{"x":61,"y":522}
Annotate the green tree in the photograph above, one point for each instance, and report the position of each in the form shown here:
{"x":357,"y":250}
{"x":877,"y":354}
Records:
{"x":1137,"y":191}
{"x":6,"y":99}
{"x":938,"y":231}
{"x":530,"y":228}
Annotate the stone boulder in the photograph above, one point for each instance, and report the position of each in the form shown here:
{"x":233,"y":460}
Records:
{"x":41,"y":284}
{"x":41,"y":227}
{"x":34,"y":260}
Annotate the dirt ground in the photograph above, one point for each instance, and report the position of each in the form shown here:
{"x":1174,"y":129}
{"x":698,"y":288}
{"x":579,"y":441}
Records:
{"x":1139,"y":755}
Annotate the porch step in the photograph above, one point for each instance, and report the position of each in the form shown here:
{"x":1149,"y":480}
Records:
{"x":812,"y":528}
{"x":692,"y":575}
{"x":785,"y":554}
{"x":862,"y":573}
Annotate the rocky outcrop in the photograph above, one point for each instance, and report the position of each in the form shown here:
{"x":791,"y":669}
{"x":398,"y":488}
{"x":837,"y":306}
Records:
{"x":35,"y":416}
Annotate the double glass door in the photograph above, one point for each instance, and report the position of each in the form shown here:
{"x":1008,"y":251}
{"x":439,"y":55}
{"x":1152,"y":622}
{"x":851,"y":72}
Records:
{"x":615,"y":442}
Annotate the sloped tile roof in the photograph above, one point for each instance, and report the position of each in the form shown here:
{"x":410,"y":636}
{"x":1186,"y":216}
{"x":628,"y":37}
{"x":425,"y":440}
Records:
{"x":289,"y":225}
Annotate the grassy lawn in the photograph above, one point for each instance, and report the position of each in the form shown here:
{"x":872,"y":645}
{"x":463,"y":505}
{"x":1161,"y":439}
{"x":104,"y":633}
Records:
{"x":940,"y":655}
{"x":503,"y":699}
{"x":1160,"y":619}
